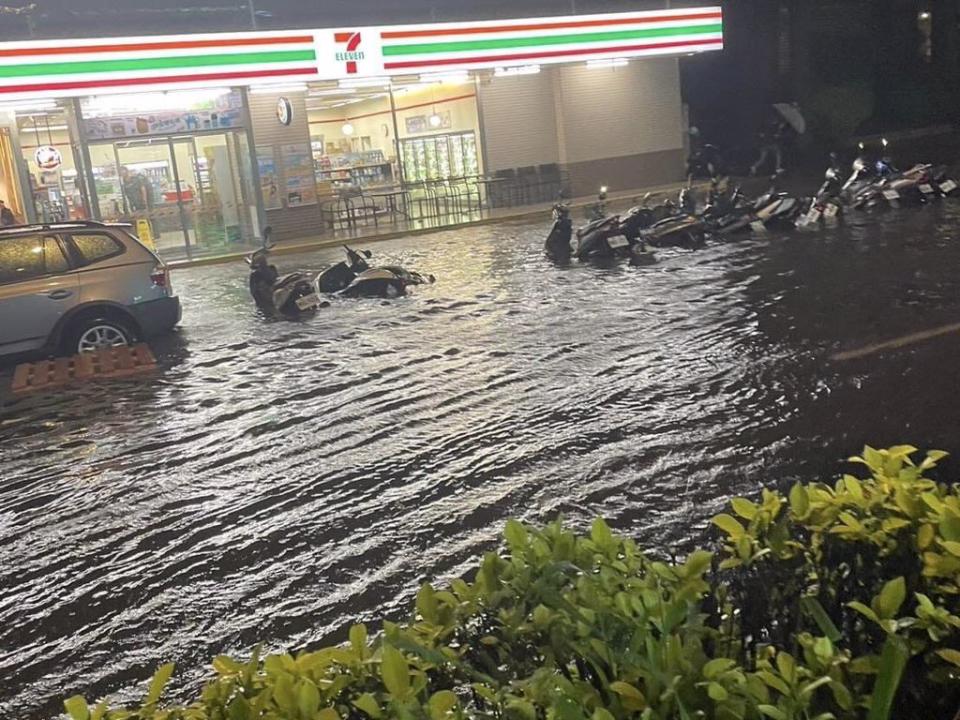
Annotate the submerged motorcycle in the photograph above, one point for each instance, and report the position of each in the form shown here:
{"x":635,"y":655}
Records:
{"x":773,"y":209}
{"x":292,"y":295}
{"x":299,"y":293}
{"x":826,"y":205}
{"x":558,"y":241}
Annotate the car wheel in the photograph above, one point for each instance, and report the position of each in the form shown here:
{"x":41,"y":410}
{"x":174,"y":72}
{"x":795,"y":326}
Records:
{"x":98,"y":333}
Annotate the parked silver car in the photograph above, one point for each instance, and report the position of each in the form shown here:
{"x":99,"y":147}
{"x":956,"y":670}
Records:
{"x":79,"y":286}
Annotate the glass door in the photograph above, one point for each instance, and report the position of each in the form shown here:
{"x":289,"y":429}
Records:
{"x":141,"y":183}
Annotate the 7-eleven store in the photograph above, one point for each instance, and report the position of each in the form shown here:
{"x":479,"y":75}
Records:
{"x":210,"y":137}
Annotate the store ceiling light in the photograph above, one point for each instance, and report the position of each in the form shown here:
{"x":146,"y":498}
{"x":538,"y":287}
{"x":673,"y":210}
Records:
{"x":334,"y":91}
{"x":450,"y":78}
{"x":347,"y":128}
{"x":278,"y":89}
{"x":608,"y":63}
{"x":435,"y":120}
{"x":101,"y":105}
{"x":365,"y":82}
{"x":518,"y":70}
{"x":28,"y":105}
{"x":42,"y":128}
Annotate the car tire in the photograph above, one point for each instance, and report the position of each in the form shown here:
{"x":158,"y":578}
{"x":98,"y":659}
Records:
{"x":94,"y":333}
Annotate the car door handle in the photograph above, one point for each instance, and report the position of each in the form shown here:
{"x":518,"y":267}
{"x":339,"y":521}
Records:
{"x":59,"y":294}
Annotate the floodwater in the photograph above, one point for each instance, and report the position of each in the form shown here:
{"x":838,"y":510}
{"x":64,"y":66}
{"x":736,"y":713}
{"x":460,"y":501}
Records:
{"x":279,"y":480}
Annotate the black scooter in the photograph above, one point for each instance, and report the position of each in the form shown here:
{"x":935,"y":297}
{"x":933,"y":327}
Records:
{"x":355,"y":278}
{"x":292,"y":296}
{"x":299,"y":293}
{"x":558,"y":246}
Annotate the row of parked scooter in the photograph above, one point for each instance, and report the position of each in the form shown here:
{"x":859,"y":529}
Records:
{"x":872,"y":184}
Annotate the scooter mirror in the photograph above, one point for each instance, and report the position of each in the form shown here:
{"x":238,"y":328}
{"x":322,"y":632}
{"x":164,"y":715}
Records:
{"x":367,"y":254}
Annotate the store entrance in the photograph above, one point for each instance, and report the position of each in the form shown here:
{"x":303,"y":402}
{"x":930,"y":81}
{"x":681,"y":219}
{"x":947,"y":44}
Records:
{"x":189,"y":192}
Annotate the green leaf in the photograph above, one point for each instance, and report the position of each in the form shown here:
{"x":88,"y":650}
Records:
{"x":628,"y":691}
{"x":160,"y":679}
{"x":787,"y":667}
{"x":308,"y":699}
{"x":396,"y":672}
{"x":891,"y":597}
{"x":773,"y":712}
{"x":368,"y":704}
{"x":815,"y":610}
{"x":515,"y":534}
{"x":925,"y":536}
{"x":717,"y":692}
{"x":441,"y":703}
{"x":951,"y":656}
{"x":715,"y":667}
{"x":864,"y":610}
{"x":77,"y":708}
{"x":823,"y":648}
{"x":283,"y":693}
{"x":226,"y":665}
{"x":893,"y":659}
{"x":427,"y":603}
{"x":100,"y":711}
{"x":799,"y":501}
{"x":775,"y":682}
{"x":327,"y":714}
{"x":602,"y":714}
{"x":600,"y":534}
{"x":810,"y":688}
{"x":358,"y":639}
{"x":842,"y":695}
{"x":523,"y":709}
{"x":853,"y":486}
{"x":950,"y":528}
{"x":729,"y":525}
{"x":697,"y":562}
{"x":951,"y":547}
{"x":744,"y":508}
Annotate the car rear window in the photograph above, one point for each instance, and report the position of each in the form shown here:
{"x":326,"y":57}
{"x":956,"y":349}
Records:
{"x":93,"y":247}
{"x":30,"y":256}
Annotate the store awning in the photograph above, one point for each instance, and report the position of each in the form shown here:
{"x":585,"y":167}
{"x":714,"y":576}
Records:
{"x":58,"y":68}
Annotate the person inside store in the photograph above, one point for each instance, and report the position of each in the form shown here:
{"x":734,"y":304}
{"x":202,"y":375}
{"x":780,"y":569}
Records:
{"x":7,"y":218}
{"x":137,"y":190}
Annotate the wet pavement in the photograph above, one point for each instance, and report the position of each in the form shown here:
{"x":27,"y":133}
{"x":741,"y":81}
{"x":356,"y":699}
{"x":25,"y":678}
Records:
{"x":278,"y":480}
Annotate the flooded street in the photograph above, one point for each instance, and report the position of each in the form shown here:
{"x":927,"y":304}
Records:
{"x":279,"y":480}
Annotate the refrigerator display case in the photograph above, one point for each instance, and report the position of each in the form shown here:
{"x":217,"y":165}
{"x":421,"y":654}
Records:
{"x":439,"y":157}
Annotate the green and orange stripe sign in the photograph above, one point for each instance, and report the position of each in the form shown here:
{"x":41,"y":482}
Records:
{"x":552,"y":40}
{"x":87,"y":67}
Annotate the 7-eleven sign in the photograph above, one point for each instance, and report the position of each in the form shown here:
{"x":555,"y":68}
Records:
{"x":350,"y":52}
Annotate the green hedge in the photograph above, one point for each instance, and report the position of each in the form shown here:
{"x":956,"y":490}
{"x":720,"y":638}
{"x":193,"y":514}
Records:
{"x":835,"y":601}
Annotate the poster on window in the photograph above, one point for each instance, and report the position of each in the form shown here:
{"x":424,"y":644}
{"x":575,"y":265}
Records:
{"x":223,"y":112}
{"x":429,"y":123}
{"x":299,"y":182}
{"x":269,"y":178}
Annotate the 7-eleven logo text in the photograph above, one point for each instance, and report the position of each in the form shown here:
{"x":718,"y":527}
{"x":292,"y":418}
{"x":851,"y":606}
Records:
{"x":350,"y":55}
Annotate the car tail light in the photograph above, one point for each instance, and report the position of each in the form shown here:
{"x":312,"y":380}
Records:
{"x":161,"y":278}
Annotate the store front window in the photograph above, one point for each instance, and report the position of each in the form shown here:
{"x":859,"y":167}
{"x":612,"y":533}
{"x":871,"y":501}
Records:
{"x":177,"y":168}
{"x":364,"y":139}
{"x":54,"y":189}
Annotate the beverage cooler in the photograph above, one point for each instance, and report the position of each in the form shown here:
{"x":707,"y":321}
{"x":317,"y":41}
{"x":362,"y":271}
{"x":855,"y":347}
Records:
{"x":440,"y":156}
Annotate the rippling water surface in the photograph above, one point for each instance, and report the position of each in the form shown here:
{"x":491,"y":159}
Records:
{"x":278,"y":480}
